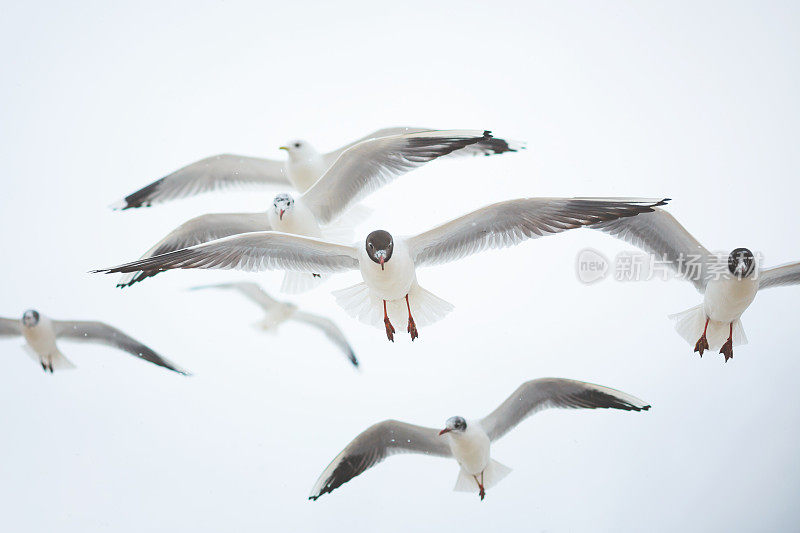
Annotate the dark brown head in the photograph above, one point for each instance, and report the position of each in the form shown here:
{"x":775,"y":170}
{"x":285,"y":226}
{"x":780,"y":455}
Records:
{"x":380,"y":246}
{"x":741,"y":263}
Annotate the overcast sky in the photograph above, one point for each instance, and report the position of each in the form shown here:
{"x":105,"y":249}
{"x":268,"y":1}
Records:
{"x":695,"y":101}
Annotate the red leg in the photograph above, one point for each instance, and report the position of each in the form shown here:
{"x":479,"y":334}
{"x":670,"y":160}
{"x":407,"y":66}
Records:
{"x":412,"y":328}
{"x":387,"y":323}
{"x":702,"y":343}
{"x":727,"y":348}
{"x":481,"y":490}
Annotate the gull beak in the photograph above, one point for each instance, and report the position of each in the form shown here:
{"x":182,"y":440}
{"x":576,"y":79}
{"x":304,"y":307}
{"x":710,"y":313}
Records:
{"x":281,"y":215}
{"x":382,"y":260}
{"x":445,"y":430}
{"x":283,"y":148}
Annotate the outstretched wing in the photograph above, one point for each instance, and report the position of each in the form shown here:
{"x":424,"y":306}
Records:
{"x":538,"y":394}
{"x":490,"y":146}
{"x":10,"y":327}
{"x":331,"y":330}
{"x":218,"y":172}
{"x":373,"y":446}
{"x":658,"y":233}
{"x":262,"y":250}
{"x":101,"y":333}
{"x":511,"y":222}
{"x":199,"y":230}
{"x":369,"y":165}
{"x":788,"y":274}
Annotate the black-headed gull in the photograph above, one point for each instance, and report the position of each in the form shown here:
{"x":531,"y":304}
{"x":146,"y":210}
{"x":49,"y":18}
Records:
{"x":301,"y":170}
{"x":41,"y":333}
{"x":469,"y":441}
{"x":728,"y":282}
{"x":276,"y":313}
{"x":388,"y":264}
{"x":358,"y":171}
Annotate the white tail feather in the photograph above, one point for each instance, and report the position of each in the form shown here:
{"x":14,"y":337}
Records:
{"x":298,"y":282}
{"x":359,"y":302}
{"x":690,"y":324}
{"x":55,"y":359}
{"x":493,"y":475}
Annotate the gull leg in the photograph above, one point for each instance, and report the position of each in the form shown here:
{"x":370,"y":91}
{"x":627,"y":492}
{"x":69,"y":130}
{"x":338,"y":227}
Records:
{"x":412,"y":327}
{"x":387,"y":323}
{"x":44,"y":366}
{"x":702,"y":343}
{"x":727,"y":348}
{"x":481,"y":491}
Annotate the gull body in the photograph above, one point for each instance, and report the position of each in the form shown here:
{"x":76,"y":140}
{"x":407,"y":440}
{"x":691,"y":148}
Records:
{"x":470,"y":448}
{"x":290,"y":215}
{"x":389,"y":292}
{"x":729,"y":282}
{"x":727,"y":298}
{"x":41,"y":333}
{"x":468,"y":441}
{"x":304,"y":164}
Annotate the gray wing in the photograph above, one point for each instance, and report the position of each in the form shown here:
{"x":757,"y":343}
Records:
{"x":331,"y":330}
{"x":511,"y":222}
{"x":373,"y":446}
{"x":369,"y":165}
{"x":251,"y":291}
{"x":10,"y":327}
{"x":199,"y":230}
{"x":538,"y":394}
{"x":252,"y":252}
{"x":788,"y":274}
{"x":218,"y":172}
{"x":101,"y":333}
{"x":658,"y":233}
{"x":490,"y":146}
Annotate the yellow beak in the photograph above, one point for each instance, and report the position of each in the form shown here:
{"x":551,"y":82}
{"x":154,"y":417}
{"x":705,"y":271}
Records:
{"x":283,"y":148}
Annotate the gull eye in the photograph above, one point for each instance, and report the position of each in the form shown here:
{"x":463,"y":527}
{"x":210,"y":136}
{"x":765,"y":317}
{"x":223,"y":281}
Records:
{"x":297,"y":145}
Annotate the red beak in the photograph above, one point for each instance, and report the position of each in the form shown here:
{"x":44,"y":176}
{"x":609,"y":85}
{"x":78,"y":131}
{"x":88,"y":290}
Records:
{"x":445,"y":430}
{"x":281,"y":215}
{"x":381,"y":260}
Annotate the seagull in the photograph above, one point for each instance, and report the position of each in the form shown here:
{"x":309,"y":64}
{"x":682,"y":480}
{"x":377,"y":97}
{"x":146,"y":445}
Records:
{"x":279,"y":312}
{"x":40,"y":334}
{"x":469,"y":441}
{"x":301,"y":170}
{"x":729,"y":282}
{"x":388,"y":264}
{"x":358,"y":171}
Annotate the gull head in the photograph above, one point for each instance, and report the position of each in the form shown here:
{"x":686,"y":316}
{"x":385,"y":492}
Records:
{"x":455,"y":424}
{"x":30,"y":318}
{"x":379,"y":246}
{"x":741,"y":263}
{"x":282,"y":204}
{"x":299,"y":150}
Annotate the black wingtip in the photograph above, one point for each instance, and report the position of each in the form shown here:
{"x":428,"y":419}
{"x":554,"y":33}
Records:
{"x":313,"y":498}
{"x":645,"y":408}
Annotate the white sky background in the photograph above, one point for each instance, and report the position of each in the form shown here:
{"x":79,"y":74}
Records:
{"x":695,"y":102}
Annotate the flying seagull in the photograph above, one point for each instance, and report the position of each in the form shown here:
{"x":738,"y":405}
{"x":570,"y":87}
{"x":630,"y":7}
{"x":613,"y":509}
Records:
{"x":358,"y":171}
{"x":279,"y":312}
{"x":41,"y":333}
{"x":301,"y":170}
{"x":729,"y":282}
{"x":469,"y":441}
{"x":388,"y":264}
